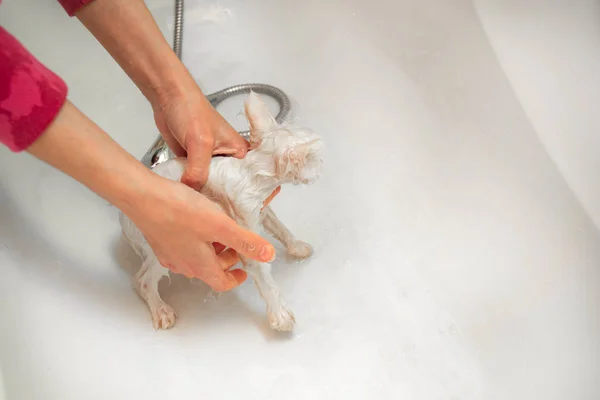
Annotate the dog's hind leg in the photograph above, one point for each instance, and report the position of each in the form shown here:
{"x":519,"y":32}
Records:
{"x":146,"y":283}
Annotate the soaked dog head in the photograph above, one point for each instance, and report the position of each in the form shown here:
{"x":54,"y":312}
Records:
{"x":287,"y":153}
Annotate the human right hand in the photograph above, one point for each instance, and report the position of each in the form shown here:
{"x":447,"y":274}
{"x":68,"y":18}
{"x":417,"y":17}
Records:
{"x":181,"y":226}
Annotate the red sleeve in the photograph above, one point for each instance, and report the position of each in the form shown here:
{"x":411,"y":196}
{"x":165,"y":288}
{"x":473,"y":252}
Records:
{"x":71,"y":6}
{"x":30,"y":95}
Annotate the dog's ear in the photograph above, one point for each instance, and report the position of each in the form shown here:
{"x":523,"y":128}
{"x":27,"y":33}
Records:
{"x":260,"y":118}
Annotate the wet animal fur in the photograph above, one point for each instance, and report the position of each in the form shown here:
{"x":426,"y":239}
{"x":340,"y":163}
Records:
{"x":281,"y":154}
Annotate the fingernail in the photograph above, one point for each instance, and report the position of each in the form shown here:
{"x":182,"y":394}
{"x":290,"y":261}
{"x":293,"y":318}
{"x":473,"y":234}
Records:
{"x":267,"y":254}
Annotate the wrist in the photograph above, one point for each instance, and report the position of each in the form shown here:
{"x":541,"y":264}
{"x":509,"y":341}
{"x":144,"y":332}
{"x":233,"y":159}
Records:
{"x":138,"y":194}
{"x":171,"y":86}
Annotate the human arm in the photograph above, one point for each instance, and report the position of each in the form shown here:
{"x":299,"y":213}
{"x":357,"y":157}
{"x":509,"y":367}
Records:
{"x":187,"y":121}
{"x":179,"y":223}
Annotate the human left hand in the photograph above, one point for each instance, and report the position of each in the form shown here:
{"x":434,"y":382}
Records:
{"x":192,"y":127}
{"x":188,"y":122}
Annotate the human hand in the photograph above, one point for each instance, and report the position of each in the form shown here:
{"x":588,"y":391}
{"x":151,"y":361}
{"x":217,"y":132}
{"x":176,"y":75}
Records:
{"x":183,"y":232}
{"x":187,"y":121}
{"x":192,"y":127}
{"x":179,"y":223}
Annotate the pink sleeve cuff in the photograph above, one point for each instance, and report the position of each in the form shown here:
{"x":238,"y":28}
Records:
{"x":71,"y":6}
{"x":30,"y":95}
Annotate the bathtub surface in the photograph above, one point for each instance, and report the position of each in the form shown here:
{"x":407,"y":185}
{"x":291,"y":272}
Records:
{"x":455,"y":256}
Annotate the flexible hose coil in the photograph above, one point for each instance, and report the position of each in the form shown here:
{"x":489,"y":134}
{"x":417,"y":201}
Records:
{"x":159,"y":151}
{"x":178,"y":28}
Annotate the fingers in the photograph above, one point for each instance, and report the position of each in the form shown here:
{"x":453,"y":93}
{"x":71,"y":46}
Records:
{"x":234,"y":277}
{"x":228,"y":259}
{"x":229,"y":142}
{"x":246,"y":243}
{"x":214,"y":271}
{"x":219,"y":247}
{"x":239,"y":276}
{"x":174,"y":146}
{"x":199,"y":151}
{"x":222,"y":281}
{"x":229,"y":280}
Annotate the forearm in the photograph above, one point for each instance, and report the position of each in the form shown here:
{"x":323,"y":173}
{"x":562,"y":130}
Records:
{"x":75,"y":145}
{"x":129,"y":33}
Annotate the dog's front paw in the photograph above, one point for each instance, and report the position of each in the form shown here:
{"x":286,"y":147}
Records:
{"x":282,"y":319}
{"x":300,"y":250}
{"x":164,"y":317}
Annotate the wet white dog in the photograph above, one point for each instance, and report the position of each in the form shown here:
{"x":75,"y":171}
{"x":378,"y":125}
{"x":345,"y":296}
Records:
{"x":281,"y":154}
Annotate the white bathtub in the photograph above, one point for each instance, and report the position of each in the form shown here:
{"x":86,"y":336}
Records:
{"x":455,"y":228}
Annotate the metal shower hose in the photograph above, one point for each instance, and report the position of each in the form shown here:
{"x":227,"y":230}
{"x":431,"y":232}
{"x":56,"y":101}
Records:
{"x":159,"y":152}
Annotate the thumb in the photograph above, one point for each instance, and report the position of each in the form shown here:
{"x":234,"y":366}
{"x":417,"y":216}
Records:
{"x":245,"y":242}
{"x":228,"y":141}
{"x":199,"y":153}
